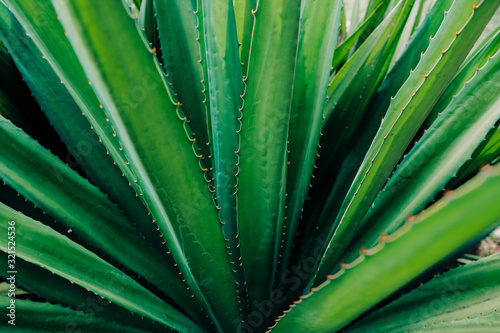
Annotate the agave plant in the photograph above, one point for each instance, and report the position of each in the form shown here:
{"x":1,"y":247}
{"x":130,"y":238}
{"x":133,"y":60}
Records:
{"x":246,"y":165}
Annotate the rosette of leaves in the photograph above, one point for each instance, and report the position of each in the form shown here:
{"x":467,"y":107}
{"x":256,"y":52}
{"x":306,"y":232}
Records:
{"x":247,"y":165}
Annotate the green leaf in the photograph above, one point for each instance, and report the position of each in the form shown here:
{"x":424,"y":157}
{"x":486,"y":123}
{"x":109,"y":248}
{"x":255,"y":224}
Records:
{"x":5,"y":286}
{"x":407,"y":31}
{"x":370,"y":124}
{"x":349,"y":93}
{"x":264,"y":138}
{"x":484,"y":154}
{"x":179,"y":35}
{"x":355,"y":84}
{"x":39,"y":20}
{"x":225,"y":84}
{"x":456,"y":36}
{"x":355,"y":17}
{"x":57,"y":290}
{"x":414,"y":248}
{"x":491,"y":150}
{"x":383,"y":6}
{"x":133,"y":7}
{"x":147,"y":21}
{"x":46,"y":317}
{"x":486,"y":324}
{"x":342,"y":51}
{"x":106,"y":47}
{"x":342,"y":26}
{"x":464,"y":299}
{"x":318,"y":32}
{"x":436,"y":157}
{"x":83,"y":209}
{"x":14,"y":200}
{"x":418,"y":17}
{"x":74,"y":129}
{"x":203,"y":61}
{"x":410,"y":57}
{"x":467,"y":71}
{"x":371,"y":59}
{"x":243,"y":10}
{"x":45,"y":247}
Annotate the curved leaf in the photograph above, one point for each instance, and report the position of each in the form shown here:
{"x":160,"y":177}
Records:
{"x":456,"y":36}
{"x":464,"y":299}
{"x":349,"y":93}
{"x":225,"y":84}
{"x":39,"y":20}
{"x":46,"y":317}
{"x":105,"y":47}
{"x":45,"y":247}
{"x":179,"y":37}
{"x":436,"y":157}
{"x":57,"y":290}
{"x":318,"y":32}
{"x":423,"y":242}
{"x":467,"y":71}
{"x":82,"y":208}
{"x":244,"y":15}
{"x":264,"y":137}
{"x":74,"y":129}
{"x":342,"y":51}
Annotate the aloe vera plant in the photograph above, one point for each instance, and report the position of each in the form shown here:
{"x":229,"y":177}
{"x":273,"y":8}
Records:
{"x":248,"y":166}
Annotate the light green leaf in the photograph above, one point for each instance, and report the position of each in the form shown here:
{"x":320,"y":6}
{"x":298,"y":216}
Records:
{"x":45,"y":247}
{"x":168,"y":172}
{"x":264,"y":138}
{"x":436,"y":157}
{"x":57,"y":290}
{"x":464,"y":299}
{"x":349,"y":94}
{"x":318,"y":32}
{"x":179,"y":36}
{"x":342,"y":51}
{"x":74,"y":129}
{"x":83,"y":209}
{"x":244,"y":15}
{"x":420,"y":244}
{"x":225,"y":84}
{"x":456,"y":36}
{"x":39,"y":20}
{"x":46,"y":317}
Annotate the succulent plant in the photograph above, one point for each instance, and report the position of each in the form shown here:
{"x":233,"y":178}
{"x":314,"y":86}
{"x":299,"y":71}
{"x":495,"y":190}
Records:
{"x":246,"y":165}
